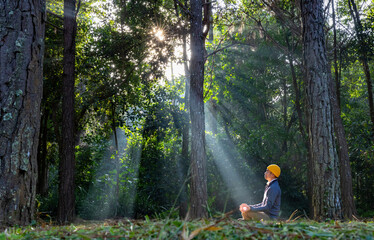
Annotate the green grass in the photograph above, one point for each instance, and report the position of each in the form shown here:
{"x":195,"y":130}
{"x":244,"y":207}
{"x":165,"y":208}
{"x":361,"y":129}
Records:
{"x":225,"y":228}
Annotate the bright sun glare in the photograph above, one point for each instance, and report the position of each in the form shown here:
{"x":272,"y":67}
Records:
{"x":159,"y":34}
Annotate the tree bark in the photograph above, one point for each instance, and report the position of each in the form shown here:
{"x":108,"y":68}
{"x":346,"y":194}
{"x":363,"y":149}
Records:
{"x":22,"y":25}
{"x":285,"y":113}
{"x":336,"y":72}
{"x":325,"y":184}
{"x":348,"y":205}
{"x":42,"y":184}
{"x":116,"y":159}
{"x":297,"y":99}
{"x":66,"y":205}
{"x":198,"y":190}
{"x":183,"y":199}
{"x":212,"y":104}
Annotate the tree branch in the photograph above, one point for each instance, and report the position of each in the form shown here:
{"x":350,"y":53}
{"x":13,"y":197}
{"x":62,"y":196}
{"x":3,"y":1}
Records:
{"x":272,"y":39}
{"x":218,"y":50}
{"x":78,"y":7}
{"x":53,"y":25}
{"x":280,"y":14}
{"x":54,"y":14}
{"x":184,"y":8}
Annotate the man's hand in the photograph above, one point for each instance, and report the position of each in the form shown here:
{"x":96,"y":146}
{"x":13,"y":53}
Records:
{"x":244,"y":208}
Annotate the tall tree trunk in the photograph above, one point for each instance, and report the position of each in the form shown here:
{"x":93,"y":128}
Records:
{"x":348,"y":205}
{"x":198,"y":190}
{"x":297,"y":99}
{"x":21,"y":85}
{"x":66,"y":205}
{"x":42,"y":184}
{"x":297,"y":92}
{"x":116,"y":159}
{"x":212,"y":104}
{"x":363,"y":58}
{"x":325,"y":184}
{"x":336,"y":72}
{"x":211,"y":35}
{"x":183,"y":200}
{"x":284,"y":102}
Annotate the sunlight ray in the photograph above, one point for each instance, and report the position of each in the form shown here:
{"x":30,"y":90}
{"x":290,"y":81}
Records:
{"x":115,"y":180}
{"x":240,"y":192}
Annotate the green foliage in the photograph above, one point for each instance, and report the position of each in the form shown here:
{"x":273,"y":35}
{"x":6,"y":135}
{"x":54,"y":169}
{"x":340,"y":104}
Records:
{"x":204,"y":229}
{"x":355,"y":114}
{"x":255,"y":115}
{"x":160,"y":153}
{"x":356,"y":121}
{"x":250,"y":107}
{"x":136,"y":178}
{"x":111,"y":190}
{"x":118,"y":58}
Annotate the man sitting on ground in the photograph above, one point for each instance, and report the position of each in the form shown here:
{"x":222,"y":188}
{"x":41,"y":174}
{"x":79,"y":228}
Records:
{"x":269,"y":208}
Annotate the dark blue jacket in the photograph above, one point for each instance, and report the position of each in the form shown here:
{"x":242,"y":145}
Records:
{"x":271,"y":202}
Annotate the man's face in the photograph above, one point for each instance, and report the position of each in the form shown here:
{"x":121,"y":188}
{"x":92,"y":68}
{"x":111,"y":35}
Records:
{"x":268,"y":175}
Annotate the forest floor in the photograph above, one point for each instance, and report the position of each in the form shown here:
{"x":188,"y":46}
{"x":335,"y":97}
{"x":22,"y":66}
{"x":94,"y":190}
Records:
{"x":223,"y":228}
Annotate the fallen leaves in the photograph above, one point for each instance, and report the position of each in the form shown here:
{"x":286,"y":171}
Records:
{"x":211,"y":227}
